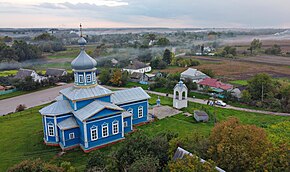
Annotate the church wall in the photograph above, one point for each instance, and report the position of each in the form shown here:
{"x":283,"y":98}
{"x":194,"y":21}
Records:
{"x":81,"y":104}
{"x":111,"y":137}
{"x":50,"y":139}
{"x":71,"y":142}
{"x":81,"y":132}
{"x":129,"y":127}
{"x":135,"y":106}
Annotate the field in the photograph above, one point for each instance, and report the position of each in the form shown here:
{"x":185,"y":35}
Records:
{"x":21,"y":133}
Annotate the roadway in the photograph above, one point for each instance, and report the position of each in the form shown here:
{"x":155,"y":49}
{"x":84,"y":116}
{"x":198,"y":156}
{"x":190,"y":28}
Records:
{"x":48,"y":95}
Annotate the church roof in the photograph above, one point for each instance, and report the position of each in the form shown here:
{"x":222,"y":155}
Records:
{"x":126,"y":114}
{"x":83,"y":61}
{"x":129,"y":95}
{"x":68,"y":124}
{"x":93,"y":108}
{"x":57,"y":108}
{"x":75,"y":93}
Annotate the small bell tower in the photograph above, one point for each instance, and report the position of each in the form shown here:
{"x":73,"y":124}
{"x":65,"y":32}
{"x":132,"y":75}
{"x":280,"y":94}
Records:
{"x":180,"y":95}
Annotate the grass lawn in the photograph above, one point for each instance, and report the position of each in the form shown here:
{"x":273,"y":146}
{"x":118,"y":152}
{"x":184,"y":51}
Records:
{"x":21,"y":133}
{"x":239,"y":82}
{"x":14,"y":94}
{"x":8,"y":72}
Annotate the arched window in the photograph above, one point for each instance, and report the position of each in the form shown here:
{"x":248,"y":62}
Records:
{"x":94,"y":133}
{"x":176,"y":95}
{"x":50,"y":129}
{"x":89,"y":78}
{"x":130,"y":110}
{"x":105,"y":130}
{"x":115,"y":127}
{"x":183,"y":95}
{"x":140,"y":111}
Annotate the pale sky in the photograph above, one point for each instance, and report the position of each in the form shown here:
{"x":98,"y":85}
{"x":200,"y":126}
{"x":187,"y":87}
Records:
{"x":145,"y":13}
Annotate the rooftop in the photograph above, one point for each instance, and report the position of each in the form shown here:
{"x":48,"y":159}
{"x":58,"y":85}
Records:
{"x":57,"y":108}
{"x":215,"y":83}
{"x":136,"y":65}
{"x":68,"y":124}
{"x":129,"y":95}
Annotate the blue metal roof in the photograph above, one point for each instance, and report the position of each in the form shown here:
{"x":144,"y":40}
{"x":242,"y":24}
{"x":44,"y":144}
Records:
{"x":57,"y":108}
{"x":93,"y":108}
{"x":129,"y":95}
{"x":68,"y":124}
{"x":78,"y":93}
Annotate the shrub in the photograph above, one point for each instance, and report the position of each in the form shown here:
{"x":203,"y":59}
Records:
{"x":20,"y":108}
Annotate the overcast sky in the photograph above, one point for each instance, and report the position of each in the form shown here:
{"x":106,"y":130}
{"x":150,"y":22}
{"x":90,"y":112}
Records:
{"x":145,"y":13}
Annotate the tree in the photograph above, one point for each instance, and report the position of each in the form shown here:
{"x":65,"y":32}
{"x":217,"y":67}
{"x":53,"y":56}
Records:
{"x":285,"y":99}
{"x":208,"y":72}
{"x":145,"y":56}
{"x":35,"y":166}
{"x":26,"y":51}
{"x":97,"y":162}
{"x":163,"y":42}
{"x":157,"y":63}
{"x":260,"y":86}
{"x":45,"y":37}
{"x":229,"y":51}
{"x":255,"y":45}
{"x":145,"y":164}
{"x":191,"y":164}
{"x":234,"y":146}
{"x":274,"y":50}
{"x":105,"y":76}
{"x":167,"y":56}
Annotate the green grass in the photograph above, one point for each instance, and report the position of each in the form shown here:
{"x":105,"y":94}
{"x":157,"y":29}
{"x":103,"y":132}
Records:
{"x":21,"y":133}
{"x":8,"y":72}
{"x":14,"y":94}
{"x":239,"y":82}
{"x":135,"y":84}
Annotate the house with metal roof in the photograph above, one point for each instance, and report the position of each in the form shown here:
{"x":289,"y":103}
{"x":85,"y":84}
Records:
{"x":137,"y":66}
{"x":54,"y":72}
{"x":193,"y":74}
{"x":24,"y":73}
{"x":88,"y":115}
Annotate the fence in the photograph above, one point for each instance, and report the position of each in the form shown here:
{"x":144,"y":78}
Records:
{"x":8,"y":91}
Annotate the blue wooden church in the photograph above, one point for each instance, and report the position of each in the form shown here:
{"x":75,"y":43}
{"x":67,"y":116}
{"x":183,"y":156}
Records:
{"x":89,"y":115}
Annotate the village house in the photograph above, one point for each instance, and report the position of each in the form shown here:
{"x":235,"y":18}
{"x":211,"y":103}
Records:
{"x":88,"y":115}
{"x":137,"y":66}
{"x":54,"y":72}
{"x":193,"y":74}
{"x":114,"y":62}
{"x":215,"y":85}
{"x":23,"y":73}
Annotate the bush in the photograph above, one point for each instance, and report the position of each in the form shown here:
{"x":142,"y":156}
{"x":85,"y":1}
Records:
{"x":20,"y":108}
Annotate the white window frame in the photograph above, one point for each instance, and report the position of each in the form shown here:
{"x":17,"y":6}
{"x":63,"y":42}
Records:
{"x":140,"y":109}
{"x":94,"y":133}
{"x":89,"y":78}
{"x":130,"y":110}
{"x":71,"y":136}
{"x":115,"y":124}
{"x":94,"y":76}
{"x":125,"y":124}
{"x":50,"y":127}
{"x":81,"y":79}
{"x":105,"y":126}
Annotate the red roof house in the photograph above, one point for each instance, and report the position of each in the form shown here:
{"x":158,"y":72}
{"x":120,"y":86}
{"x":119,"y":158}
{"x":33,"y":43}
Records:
{"x":214,"y":83}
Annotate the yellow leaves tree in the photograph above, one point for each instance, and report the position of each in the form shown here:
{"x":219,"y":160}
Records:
{"x":234,"y":146}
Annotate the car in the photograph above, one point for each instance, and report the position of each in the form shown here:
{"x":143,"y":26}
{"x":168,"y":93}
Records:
{"x":220,"y":103}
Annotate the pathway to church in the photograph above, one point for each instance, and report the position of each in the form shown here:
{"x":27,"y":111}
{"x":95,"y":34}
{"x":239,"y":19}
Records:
{"x":48,"y":95}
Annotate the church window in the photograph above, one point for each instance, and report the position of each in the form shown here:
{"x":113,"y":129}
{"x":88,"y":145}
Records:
{"x":50,"y":129}
{"x":130,"y":110}
{"x":94,"y":133}
{"x":105,"y":130}
{"x":125,"y":124}
{"x":81,"y":78}
{"x":115,"y":127}
{"x":89,"y":78}
{"x":71,"y":135}
{"x":140,"y":111}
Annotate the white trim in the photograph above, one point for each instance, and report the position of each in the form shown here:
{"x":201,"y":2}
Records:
{"x":94,"y":129}
{"x":85,"y":78}
{"x":71,"y":135}
{"x":131,"y":123}
{"x":105,"y":125}
{"x":76,"y":77}
{"x":58,"y":117}
{"x":63,"y":138}
{"x":142,"y":113}
{"x":85,"y":134}
{"x":125,"y":122}
{"x":46,"y":134}
{"x":75,"y":105}
{"x":113,"y":125}
{"x":56,"y":132}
